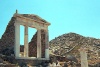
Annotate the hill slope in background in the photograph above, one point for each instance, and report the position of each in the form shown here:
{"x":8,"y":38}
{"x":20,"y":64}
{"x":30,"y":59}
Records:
{"x":70,"y":43}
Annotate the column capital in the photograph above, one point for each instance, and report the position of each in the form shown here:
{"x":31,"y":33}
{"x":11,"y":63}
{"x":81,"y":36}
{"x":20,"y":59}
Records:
{"x":16,"y":23}
{"x":83,"y":49}
{"x":46,"y":30}
{"x":38,"y":28}
{"x":25,"y":25}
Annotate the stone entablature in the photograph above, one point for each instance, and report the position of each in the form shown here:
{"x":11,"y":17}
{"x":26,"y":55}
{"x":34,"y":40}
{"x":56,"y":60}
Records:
{"x":31,"y":22}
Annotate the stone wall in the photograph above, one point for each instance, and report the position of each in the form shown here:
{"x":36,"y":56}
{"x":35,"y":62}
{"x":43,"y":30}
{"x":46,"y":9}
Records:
{"x":33,"y":45}
{"x":7,"y":39}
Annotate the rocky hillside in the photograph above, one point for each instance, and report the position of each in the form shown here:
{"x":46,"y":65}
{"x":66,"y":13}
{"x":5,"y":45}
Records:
{"x":71,"y":42}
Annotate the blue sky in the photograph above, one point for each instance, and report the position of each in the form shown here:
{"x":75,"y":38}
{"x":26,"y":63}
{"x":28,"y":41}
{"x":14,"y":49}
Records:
{"x":79,"y":16}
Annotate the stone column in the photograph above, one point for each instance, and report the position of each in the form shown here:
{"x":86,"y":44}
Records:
{"x":84,"y":61}
{"x":46,"y":44}
{"x":17,"y":39}
{"x":26,"y":41}
{"x":38,"y":43}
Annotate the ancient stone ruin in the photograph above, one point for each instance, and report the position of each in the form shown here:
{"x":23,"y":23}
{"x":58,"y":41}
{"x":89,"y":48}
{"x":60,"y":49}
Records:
{"x":34,"y":22}
{"x":36,"y":49}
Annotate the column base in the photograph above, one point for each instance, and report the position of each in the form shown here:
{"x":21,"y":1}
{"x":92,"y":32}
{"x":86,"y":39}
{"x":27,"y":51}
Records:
{"x":32,"y":58}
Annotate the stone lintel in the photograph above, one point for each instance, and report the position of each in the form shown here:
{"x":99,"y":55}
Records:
{"x":19,"y":17}
{"x":33,"y":25}
{"x":16,"y":23}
